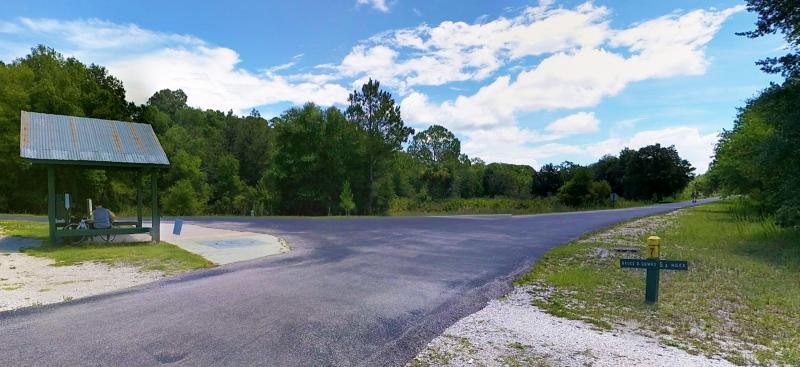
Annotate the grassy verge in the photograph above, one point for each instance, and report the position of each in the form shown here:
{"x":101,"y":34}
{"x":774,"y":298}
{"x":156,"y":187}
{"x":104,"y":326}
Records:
{"x":405,"y":206}
{"x":163,"y":256}
{"x":740,"y":298}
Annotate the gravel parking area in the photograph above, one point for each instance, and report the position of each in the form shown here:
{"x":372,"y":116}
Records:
{"x":512,"y":332}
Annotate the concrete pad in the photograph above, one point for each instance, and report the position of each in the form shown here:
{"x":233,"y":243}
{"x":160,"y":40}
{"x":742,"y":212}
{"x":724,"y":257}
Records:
{"x":219,"y":246}
{"x":13,"y":244}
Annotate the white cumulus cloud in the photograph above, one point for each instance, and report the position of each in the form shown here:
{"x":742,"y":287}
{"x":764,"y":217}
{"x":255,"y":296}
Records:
{"x":577,"y":123}
{"x":147,"y":61}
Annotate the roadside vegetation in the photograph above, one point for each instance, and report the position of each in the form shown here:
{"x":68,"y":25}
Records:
{"x":739,"y":299}
{"x":404,"y":206}
{"x":310,"y":160}
{"x":759,"y":156}
{"x":164,"y":257}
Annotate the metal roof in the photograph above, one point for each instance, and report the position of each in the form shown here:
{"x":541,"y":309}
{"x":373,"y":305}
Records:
{"x":80,"y":140}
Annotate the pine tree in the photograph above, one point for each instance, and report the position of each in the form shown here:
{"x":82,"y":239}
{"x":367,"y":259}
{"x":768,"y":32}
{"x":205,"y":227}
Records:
{"x":346,"y":198}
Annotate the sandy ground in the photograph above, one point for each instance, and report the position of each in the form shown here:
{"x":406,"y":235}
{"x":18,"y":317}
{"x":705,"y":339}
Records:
{"x":512,"y":332}
{"x":33,"y":281}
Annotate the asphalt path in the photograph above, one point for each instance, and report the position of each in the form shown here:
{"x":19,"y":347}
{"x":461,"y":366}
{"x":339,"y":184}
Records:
{"x":353,"y":291}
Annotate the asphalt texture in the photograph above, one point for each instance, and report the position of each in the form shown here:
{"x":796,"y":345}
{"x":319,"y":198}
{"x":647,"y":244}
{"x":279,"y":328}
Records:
{"x":352,"y":292}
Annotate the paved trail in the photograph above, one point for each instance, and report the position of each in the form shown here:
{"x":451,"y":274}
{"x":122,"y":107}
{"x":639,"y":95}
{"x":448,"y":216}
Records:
{"x":365,"y":291}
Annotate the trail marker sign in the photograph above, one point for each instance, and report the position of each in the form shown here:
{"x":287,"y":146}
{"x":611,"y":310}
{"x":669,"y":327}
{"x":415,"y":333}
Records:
{"x":653,"y":264}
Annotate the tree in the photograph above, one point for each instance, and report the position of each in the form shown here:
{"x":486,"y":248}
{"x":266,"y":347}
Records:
{"x":759,"y":156}
{"x":547,"y":181}
{"x":375,"y":111}
{"x":612,"y":170}
{"x":778,"y":16}
{"x":346,"y":198}
{"x":655,"y":172}
{"x":508,"y":180}
{"x":581,"y":190}
{"x":435,"y":144}
{"x":169,"y":101}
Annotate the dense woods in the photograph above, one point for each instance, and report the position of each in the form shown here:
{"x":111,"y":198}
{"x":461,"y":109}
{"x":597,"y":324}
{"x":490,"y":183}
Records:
{"x":310,"y":160}
{"x":760,"y":156}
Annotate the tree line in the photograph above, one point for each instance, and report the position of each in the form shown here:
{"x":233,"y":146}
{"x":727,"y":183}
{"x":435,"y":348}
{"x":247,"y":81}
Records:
{"x":310,"y":160}
{"x":760,"y":156}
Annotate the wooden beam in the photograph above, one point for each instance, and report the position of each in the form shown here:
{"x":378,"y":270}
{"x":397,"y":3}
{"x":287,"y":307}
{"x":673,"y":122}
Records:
{"x":155,"y":231}
{"x":97,"y":232}
{"x":51,"y":203}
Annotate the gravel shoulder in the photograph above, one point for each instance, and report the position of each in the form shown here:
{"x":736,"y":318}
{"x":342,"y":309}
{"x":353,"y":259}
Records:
{"x":512,"y":332}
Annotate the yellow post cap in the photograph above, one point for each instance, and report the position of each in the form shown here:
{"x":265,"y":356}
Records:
{"x":653,"y":240}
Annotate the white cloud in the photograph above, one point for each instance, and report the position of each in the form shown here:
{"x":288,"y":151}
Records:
{"x":510,"y":145}
{"x":460,"y":51}
{"x":584,"y":74}
{"x":147,"y":61}
{"x":379,"y":5}
{"x":577,"y":123}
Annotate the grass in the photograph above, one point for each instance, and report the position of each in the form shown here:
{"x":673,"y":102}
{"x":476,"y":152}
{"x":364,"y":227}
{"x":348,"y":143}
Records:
{"x":164,"y":257}
{"x":405,"y":206}
{"x":24,"y":228}
{"x":740,"y":298}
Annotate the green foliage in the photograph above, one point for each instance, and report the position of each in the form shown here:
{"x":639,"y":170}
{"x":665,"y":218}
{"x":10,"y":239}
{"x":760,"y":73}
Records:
{"x":346,"y":198}
{"x":778,"y":16}
{"x":655,"y":172}
{"x":375,"y":112}
{"x":758,"y":156}
{"x":581,"y":190}
{"x":296,"y":163}
{"x":434,"y":145}
{"x":508,"y":180}
{"x":182,"y":199}
{"x":547,"y":181}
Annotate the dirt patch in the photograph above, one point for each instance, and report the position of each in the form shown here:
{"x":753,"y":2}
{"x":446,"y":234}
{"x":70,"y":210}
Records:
{"x":31,"y":281}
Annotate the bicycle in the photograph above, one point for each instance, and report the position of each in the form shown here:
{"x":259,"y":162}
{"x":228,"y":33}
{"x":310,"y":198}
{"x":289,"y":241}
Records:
{"x":84,"y":224}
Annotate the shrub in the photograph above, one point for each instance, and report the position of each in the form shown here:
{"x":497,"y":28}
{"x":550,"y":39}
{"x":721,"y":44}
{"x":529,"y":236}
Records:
{"x":788,"y":216}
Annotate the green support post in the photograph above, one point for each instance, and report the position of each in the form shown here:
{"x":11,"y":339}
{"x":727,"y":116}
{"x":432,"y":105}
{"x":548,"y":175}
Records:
{"x":51,"y":202}
{"x":139,"y":189}
{"x":653,"y":274}
{"x":155,"y":231}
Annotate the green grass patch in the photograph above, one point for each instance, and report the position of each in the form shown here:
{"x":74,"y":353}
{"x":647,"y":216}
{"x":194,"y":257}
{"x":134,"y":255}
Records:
{"x":163,"y":256}
{"x":406,"y":206}
{"x":741,"y":287}
{"x":24,"y":228}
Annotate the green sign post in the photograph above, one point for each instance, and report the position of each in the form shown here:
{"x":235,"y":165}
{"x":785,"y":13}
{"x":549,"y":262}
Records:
{"x":653,"y":264}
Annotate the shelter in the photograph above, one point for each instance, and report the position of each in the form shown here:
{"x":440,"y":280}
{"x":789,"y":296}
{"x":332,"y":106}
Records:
{"x":57,"y":141}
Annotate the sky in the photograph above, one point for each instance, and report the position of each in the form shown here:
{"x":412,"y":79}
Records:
{"x":526,"y":82}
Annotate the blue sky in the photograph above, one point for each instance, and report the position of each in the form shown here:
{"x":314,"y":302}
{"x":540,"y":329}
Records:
{"x":518,"y":81}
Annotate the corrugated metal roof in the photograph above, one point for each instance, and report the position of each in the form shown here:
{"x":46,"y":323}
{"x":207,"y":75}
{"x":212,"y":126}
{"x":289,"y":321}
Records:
{"x":87,"y":140}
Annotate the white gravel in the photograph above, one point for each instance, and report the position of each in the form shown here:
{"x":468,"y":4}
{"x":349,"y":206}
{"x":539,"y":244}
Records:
{"x":31,"y":281}
{"x":511,"y":332}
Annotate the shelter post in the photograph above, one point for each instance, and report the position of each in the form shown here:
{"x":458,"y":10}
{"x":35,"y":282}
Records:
{"x":51,"y":203}
{"x":155,"y":231}
{"x":139,"y":185}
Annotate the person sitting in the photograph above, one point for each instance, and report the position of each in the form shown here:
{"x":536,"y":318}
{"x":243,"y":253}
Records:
{"x":103,"y":218}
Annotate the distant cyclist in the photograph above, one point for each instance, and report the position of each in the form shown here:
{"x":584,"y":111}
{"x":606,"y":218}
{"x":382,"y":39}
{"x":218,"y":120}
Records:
{"x":103,"y":218}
